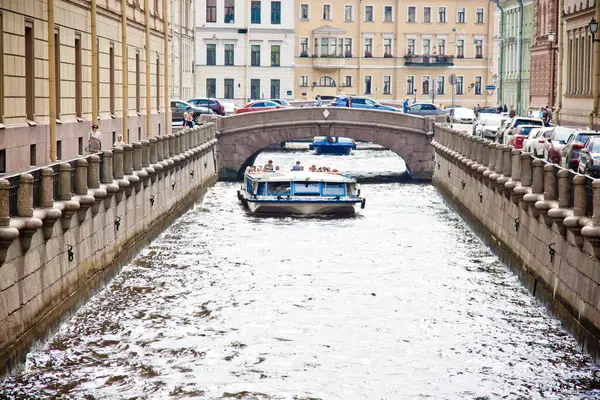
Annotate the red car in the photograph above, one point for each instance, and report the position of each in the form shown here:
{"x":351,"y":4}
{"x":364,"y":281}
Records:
{"x":520,"y":133}
{"x":258,"y":105}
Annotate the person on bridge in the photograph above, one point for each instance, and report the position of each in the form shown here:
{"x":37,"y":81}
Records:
{"x":297,"y":167}
{"x":405,"y":106}
{"x":318,"y":101}
{"x":268,"y":166}
{"x":119,"y":142}
{"x":512,"y":112}
{"x":94,"y":140}
{"x":349,"y":101}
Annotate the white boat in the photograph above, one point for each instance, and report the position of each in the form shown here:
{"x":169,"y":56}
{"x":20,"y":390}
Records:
{"x":299,"y":192}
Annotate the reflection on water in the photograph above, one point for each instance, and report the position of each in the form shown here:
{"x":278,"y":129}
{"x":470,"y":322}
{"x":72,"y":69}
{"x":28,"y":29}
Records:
{"x":400,"y":302}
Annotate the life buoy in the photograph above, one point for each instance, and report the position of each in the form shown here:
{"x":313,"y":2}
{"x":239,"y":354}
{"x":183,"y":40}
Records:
{"x":363,"y":203}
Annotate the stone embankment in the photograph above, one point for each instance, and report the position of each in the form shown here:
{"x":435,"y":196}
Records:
{"x":66,"y":229}
{"x":542,"y":219}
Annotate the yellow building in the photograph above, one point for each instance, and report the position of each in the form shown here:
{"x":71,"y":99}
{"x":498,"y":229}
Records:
{"x":390,"y":50}
{"x":80,"y":46}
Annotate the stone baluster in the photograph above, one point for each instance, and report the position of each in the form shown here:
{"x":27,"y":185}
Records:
{"x":549,"y":200}
{"x":118,"y":166}
{"x":159,"y":148}
{"x":558,"y":215}
{"x":498,"y":170}
{"x":137,"y":156}
{"x":81,"y":188}
{"x":94,"y":182}
{"x":7,"y":233}
{"x":47,"y":202}
{"x":491,"y":166}
{"x":506,"y":169}
{"x":133,"y":162}
{"x":145,"y":153}
{"x":592,"y":232}
{"x":158,"y":168}
{"x":515,"y":177}
{"x":64,"y":195}
{"x":107,"y":176}
{"x":153,"y":154}
{"x":25,"y":196}
{"x":577,"y":220}
{"x":128,"y":159}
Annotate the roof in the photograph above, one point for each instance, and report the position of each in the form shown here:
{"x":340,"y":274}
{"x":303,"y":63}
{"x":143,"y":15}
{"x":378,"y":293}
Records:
{"x":286,"y":176}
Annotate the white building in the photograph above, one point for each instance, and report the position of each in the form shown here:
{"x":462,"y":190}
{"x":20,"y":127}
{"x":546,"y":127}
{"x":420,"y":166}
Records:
{"x":244,"y":49}
{"x":182,"y":50}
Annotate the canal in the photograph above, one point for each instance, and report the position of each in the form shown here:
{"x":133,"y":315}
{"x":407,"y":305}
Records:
{"x":402,"y":301}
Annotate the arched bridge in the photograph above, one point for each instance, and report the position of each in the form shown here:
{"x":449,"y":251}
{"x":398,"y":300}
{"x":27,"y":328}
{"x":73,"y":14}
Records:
{"x":242,"y":137}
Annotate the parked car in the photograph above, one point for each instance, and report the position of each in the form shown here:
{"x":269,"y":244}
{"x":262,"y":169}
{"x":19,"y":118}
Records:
{"x":361,"y":102}
{"x":589,"y":159}
{"x":514,"y":123}
{"x":426,"y":109}
{"x":462,"y":115}
{"x":213,"y":104}
{"x":555,"y":143}
{"x":536,"y":141}
{"x":572,"y":150}
{"x":487,"y":125}
{"x":180,"y":107}
{"x":258,"y":105}
{"x":517,"y":140}
{"x":281,"y":102}
{"x":229,"y":108}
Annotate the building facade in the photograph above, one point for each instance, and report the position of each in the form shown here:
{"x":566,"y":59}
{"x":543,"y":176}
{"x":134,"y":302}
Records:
{"x":516,"y":35}
{"x":544,"y":52}
{"x":245,"y":49}
{"x":182,"y":49}
{"x":390,"y":50}
{"x":65,"y":65}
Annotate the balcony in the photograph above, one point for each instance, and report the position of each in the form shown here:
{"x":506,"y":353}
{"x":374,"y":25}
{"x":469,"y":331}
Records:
{"x":429,"y":60}
{"x":329,"y":63}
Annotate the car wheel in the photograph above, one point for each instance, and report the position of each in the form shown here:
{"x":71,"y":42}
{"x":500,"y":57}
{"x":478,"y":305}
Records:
{"x":198,"y":119}
{"x":586,"y":170}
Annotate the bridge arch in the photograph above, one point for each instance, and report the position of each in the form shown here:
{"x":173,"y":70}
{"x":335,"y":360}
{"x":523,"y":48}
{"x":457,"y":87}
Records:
{"x":242,"y":137}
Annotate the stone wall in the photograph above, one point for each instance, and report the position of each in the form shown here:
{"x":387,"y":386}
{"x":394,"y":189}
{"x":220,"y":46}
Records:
{"x":65,"y":229}
{"x":543,"y":220}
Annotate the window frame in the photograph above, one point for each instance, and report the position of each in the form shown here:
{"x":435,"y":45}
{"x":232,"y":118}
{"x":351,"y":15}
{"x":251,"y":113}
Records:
{"x":225,"y":51}
{"x":275,"y":21}
{"x":278,"y":58}
{"x":461,"y":79}
{"x":482,"y":15}
{"x":214,"y":88}
{"x":445,"y":21}
{"x":252,"y":20}
{"x":425,"y":79}
{"x":252,"y":54}
{"x":302,"y":81}
{"x":351,"y":12}
{"x":307,"y":12}
{"x":442,"y":86}
{"x":370,"y":84}
{"x":408,"y":7}
{"x":330,"y":12}
{"x":347,"y":78}
{"x":412,"y":80}
{"x":476,"y":86}
{"x":430,"y":13}
{"x":214,"y":54}
{"x":232,"y":87}
{"x":464,"y":14}
{"x":372,"y":7}
{"x":391,"y":14}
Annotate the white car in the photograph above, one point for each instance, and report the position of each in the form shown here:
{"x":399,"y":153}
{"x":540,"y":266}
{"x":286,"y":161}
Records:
{"x":536,"y":141}
{"x":507,"y":134}
{"x":488,"y":126}
{"x":462,"y":115}
{"x":229,"y":108}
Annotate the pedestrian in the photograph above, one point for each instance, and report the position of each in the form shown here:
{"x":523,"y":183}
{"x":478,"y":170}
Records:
{"x":505,"y":109}
{"x":548,"y":115}
{"x":185,"y":116}
{"x":94,"y":140}
{"x":499,"y":109}
{"x":512,"y":112}
{"x":318,"y":101}
{"x":476,"y":110}
{"x":349,"y":101}
{"x":405,"y":106}
{"x":119,"y":142}
{"x":190,"y":120}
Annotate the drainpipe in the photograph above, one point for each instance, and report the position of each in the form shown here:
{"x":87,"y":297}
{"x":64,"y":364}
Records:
{"x":248,"y":8}
{"x":167,"y":103}
{"x":95,"y":77}
{"x":559,"y":71}
{"x":148,"y":108}
{"x":125,"y":71}
{"x":520,"y":56}
{"x":51,"y":81}
{"x":360,"y":48}
{"x":501,"y":63}
{"x":596,"y":76}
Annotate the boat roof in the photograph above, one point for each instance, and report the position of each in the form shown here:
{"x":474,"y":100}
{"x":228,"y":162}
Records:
{"x":287,"y":176}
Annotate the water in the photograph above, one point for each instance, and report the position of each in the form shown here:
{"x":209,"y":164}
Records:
{"x":401,"y":301}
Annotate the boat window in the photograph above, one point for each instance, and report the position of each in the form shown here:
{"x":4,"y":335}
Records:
{"x":261,"y":189}
{"x":248,"y":185}
{"x":334,"y":189}
{"x":301,"y":188}
{"x":279,"y":188}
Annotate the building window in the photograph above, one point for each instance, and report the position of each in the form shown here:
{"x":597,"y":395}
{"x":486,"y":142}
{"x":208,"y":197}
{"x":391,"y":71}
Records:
{"x":368,"y":47}
{"x":324,"y":47}
{"x":460,"y":48}
{"x":304,"y":47}
{"x":228,"y":89}
{"x":348,"y":81}
{"x":477,"y":88}
{"x":326,"y":81}
{"x":461,"y":15}
{"x":59,"y":149}
{"x":304,"y":11}
{"x":138,"y":105}
{"x":78,"y":78}
{"x":229,"y":11}
{"x":412,"y":14}
{"x":369,"y":14}
{"x":442,"y":14}
{"x":410,"y":46}
{"x":459,"y":85}
{"x":348,"y":13}
{"x":255,"y":89}
{"x":3,"y":161}
{"x":29,"y":71}
{"x":425,"y":85}
{"x":332,"y":47}
{"x":255,"y":55}
{"x":348,"y":47}
{"x":426,"y":15}
{"x":275,"y":55}
{"x":387,"y":47}
{"x":275,"y":12}
{"x":327,"y":12}
{"x":211,"y":10}
{"x":440,"y":85}
{"x":410,"y":84}
{"x":479,"y":15}
{"x":478,"y":48}
{"x":441,"y":46}
{"x":211,"y":87}
{"x":255,"y":12}
{"x":57,"y":72}
{"x":387,"y":84}
{"x":367,"y":85}
{"x":228,"y":54}
{"x":211,"y":54}
{"x":304,"y":81}
{"x":426,"y":46}
{"x":275,"y":88}
{"x":388,"y":15}
{"x":32,"y":155}
{"x":111,"y":77}
{"x":1,"y":69}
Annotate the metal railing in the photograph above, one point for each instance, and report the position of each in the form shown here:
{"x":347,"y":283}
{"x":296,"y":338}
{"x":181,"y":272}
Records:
{"x":589,"y":194}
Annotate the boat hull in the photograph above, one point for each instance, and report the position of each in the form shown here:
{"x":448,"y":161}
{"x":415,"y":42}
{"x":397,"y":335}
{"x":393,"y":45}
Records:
{"x":332,"y":149}
{"x":302,"y":207}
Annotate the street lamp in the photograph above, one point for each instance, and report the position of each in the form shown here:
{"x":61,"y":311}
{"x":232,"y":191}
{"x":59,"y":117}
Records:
{"x":415,"y":95}
{"x":551,"y":36}
{"x":594,"y":29}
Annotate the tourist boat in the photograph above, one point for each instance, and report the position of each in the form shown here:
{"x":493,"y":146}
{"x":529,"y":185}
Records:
{"x":332,"y":145}
{"x":299,"y":192}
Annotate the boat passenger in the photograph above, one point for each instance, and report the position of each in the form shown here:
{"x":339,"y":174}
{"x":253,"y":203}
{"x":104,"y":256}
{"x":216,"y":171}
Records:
{"x":320,"y":169}
{"x":268,"y":166}
{"x":313,"y":168}
{"x":335,"y":171}
{"x":277,"y":168}
{"x":302,"y":168}
{"x":297,"y":167}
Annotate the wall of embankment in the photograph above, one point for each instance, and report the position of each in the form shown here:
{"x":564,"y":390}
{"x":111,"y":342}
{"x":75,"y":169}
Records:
{"x":543,"y":221}
{"x":66,"y":229}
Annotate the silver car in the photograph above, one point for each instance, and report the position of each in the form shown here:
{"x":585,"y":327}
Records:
{"x":425,"y":109}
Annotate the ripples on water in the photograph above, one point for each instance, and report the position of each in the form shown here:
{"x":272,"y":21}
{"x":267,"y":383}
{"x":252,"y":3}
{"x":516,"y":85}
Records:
{"x":400,"y":302}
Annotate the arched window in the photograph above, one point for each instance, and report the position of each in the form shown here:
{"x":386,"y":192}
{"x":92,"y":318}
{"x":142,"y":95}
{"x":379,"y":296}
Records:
{"x":326,"y":81}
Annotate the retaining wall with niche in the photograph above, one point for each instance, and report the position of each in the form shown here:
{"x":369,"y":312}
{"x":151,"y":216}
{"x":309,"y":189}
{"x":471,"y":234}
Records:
{"x":65,"y":229}
{"x":543,"y":220}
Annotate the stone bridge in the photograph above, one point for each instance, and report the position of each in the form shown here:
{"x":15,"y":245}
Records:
{"x":242,"y":137}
